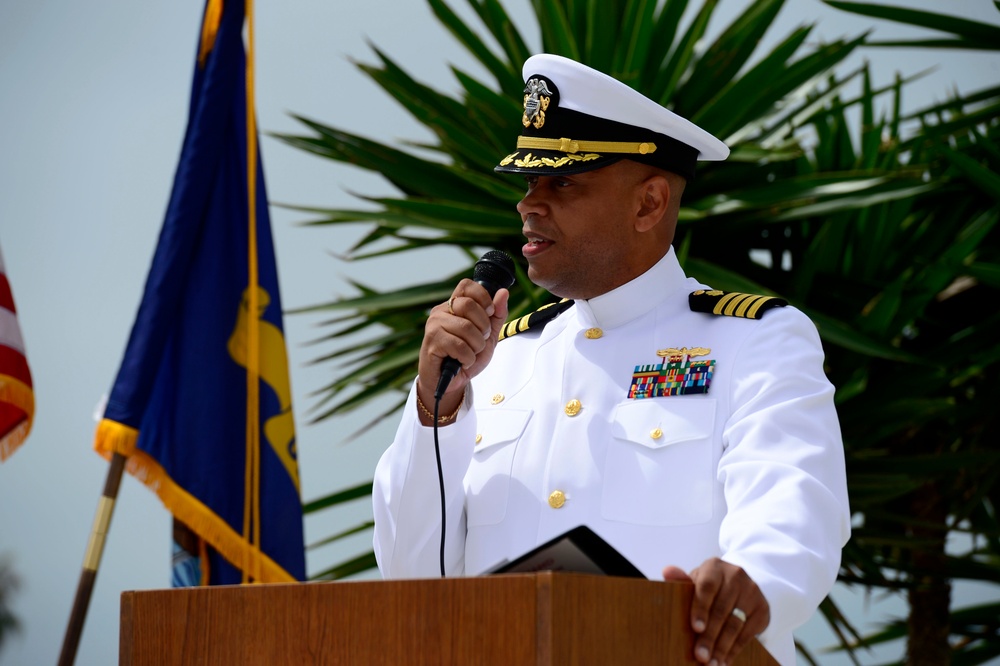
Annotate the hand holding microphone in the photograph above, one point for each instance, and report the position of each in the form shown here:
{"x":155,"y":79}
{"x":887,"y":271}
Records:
{"x":495,"y":271}
{"x":462,"y":333}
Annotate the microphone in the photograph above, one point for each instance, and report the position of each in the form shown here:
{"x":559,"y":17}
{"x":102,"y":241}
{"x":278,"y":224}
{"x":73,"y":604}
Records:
{"x":495,"y":271}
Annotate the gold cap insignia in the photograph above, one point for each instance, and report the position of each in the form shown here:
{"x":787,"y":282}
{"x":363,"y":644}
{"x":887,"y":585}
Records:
{"x":537,"y":97}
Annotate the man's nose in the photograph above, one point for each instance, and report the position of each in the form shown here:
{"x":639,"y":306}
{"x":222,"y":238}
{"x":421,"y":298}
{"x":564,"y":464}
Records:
{"x":532,"y":202}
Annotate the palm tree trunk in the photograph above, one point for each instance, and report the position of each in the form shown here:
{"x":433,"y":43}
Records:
{"x":930,"y":597}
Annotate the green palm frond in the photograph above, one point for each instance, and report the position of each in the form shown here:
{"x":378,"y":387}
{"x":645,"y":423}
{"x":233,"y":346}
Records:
{"x":967,"y":34}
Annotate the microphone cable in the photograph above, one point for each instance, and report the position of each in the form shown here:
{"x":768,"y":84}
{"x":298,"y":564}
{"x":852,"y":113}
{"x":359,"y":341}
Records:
{"x":440,"y":468}
{"x":494,"y":271}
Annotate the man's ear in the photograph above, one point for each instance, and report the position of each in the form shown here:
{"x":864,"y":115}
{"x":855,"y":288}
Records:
{"x":654,"y":202}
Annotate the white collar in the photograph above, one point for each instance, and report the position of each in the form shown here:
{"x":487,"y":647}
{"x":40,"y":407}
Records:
{"x":635,"y":298}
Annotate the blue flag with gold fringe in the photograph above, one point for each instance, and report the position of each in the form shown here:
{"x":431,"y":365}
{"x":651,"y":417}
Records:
{"x":201,"y":406}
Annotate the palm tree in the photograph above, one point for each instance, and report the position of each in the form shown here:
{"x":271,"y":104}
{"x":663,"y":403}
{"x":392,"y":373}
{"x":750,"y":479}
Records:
{"x":884,"y":235}
{"x":921,"y":435}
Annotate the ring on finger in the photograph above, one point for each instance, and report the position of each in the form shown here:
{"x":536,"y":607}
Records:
{"x":739,"y":614}
{"x":451,"y":301}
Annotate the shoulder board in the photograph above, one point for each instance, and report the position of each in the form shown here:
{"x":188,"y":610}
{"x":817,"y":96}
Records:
{"x":536,"y":320}
{"x":733,"y":303}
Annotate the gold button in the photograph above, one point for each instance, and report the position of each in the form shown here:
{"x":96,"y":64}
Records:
{"x":655,"y":433}
{"x":573,"y":407}
{"x":593,"y":333}
{"x":479,"y":438}
{"x":497,"y":399}
{"x":557,"y":499}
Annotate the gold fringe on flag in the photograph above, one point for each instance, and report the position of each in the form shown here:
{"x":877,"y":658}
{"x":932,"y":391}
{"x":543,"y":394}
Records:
{"x":20,"y":396}
{"x":113,"y":437}
{"x":185,"y":507}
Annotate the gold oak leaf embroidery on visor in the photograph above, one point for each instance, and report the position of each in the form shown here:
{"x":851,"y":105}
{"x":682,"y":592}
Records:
{"x":530,"y":161}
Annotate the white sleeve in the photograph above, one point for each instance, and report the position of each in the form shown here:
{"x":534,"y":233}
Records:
{"x":783,"y":470}
{"x":406,"y":496}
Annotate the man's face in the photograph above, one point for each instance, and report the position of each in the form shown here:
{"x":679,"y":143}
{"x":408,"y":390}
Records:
{"x":581,"y":238}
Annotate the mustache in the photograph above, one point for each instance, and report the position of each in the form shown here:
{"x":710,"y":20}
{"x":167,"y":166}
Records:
{"x":532,"y":231}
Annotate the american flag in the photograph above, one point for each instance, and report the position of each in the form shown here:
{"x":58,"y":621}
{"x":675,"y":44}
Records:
{"x":17,"y":398}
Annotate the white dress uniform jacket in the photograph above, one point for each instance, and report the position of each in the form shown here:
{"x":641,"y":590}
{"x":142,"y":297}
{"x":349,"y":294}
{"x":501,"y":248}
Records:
{"x":751,"y":471}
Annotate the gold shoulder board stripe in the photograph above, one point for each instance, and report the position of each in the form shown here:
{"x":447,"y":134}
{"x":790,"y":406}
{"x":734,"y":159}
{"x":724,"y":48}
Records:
{"x":536,"y":320}
{"x":733,"y":303}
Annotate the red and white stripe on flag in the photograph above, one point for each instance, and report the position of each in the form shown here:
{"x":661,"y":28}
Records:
{"x":17,"y":397}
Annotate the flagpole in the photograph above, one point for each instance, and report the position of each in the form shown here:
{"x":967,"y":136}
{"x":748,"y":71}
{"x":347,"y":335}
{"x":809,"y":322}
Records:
{"x":92,"y":560}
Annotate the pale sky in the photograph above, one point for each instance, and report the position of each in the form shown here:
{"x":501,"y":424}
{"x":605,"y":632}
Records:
{"x":93,"y":103}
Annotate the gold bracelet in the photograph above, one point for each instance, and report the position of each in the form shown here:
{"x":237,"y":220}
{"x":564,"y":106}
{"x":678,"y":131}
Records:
{"x":441,"y":419}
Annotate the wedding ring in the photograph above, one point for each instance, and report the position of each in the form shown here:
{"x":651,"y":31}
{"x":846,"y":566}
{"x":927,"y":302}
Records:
{"x":739,"y":614}
{"x":450,"y":301}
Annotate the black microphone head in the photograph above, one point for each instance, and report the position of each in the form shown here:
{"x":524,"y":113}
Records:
{"x":495,"y":271}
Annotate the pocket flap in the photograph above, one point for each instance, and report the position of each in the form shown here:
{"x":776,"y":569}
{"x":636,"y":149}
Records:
{"x":659,"y":422}
{"x":499,"y":426}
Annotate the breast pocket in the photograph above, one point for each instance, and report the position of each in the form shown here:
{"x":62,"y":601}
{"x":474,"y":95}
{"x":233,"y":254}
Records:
{"x":659,"y":469}
{"x":487,"y":483}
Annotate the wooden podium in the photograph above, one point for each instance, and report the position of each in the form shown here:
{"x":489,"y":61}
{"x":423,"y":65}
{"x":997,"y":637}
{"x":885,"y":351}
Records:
{"x":541,"y":619}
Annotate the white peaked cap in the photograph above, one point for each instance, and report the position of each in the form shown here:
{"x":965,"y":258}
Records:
{"x":577,"y":119}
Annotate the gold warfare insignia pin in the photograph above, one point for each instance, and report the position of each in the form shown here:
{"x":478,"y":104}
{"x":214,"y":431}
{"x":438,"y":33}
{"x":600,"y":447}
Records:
{"x":676,"y":374}
{"x":537,"y":97}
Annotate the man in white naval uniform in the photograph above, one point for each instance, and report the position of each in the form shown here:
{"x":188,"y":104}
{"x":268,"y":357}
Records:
{"x":693,"y":430}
